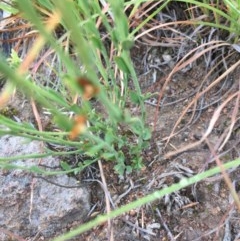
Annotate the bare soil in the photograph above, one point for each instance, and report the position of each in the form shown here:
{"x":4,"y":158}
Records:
{"x":204,"y":211}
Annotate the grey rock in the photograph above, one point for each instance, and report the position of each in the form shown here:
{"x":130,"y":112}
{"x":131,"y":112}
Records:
{"x":30,"y":205}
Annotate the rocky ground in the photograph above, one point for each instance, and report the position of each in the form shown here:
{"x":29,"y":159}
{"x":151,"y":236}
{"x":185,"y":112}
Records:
{"x":33,"y":208}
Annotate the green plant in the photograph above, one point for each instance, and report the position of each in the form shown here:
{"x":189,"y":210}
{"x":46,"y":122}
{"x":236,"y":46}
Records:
{"x":8,"y":8}
{"x":93,"y":133}
{"x":226,"y":15}
{"x":102,"y":128}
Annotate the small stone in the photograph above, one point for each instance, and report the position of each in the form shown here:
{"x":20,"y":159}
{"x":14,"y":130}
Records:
{"x":223,"y":194}
{"x":132,"y":212}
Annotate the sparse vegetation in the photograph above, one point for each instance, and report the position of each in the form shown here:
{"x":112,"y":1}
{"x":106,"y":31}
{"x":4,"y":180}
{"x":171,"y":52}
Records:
{"x":80,"y":72}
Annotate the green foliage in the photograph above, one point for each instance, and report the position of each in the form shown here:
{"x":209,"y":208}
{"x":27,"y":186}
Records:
{"x":65,"y":166}
{"x":226,"y":15}
{"x":14,"y":61}
{"x":8,"y":8}
{"x":111,"y":134}
{"x":233,"y":10}
{"x":103,"y":138}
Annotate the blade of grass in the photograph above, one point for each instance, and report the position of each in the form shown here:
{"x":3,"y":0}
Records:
{"x":149,"y":198}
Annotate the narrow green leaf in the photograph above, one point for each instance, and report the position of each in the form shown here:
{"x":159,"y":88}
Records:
{"x":108,"y":156}
{"x":122,"y":64}
{"x":127,"y":44}
{"x":65,"y":166}
{"x":146,"y":134}
{"x":63,"y":122}
{"x":135,"y":97}
{"x":109,"y":137}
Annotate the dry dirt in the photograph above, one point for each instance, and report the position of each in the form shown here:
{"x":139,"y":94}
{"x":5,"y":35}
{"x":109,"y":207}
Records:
{"x":204,"y":211}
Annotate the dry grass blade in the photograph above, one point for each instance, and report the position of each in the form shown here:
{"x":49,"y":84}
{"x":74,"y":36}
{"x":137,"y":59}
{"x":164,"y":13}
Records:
{"x":5,"y":95}
{"x":108,"y":207}
{"x":169,"y":233}
{"x":233,"y":121}
{"x":225,"y":176}
{"x":36,"y":114}
{"x":51,"y":24}
{"x":224,"y":219}
{"x":12,"y":235}
{"x":175,"y":48}
{"x":183,"y":63}
{"x":141,"y":12}
{"x":208,"y":131}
